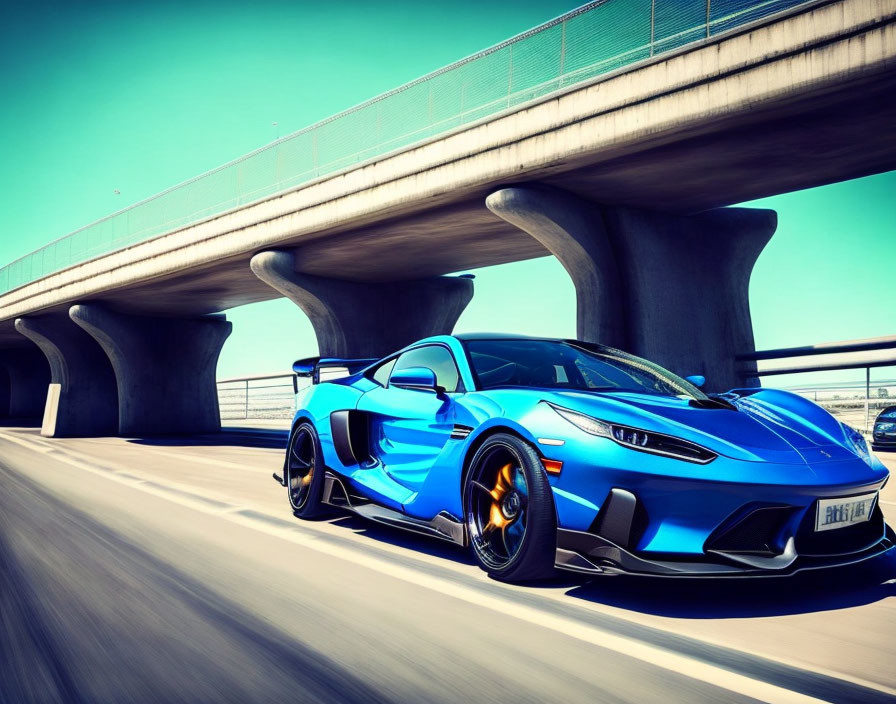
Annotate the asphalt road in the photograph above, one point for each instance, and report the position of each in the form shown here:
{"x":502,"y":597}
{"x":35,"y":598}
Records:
{"x":173,"y":571}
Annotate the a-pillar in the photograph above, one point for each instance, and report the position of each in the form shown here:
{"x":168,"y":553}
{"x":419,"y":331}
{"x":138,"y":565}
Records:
{"x":164,"y":368}
{"x":24,"y":377}
{"x":82,"y":399}
{"x":360,"y":320}
{"x":670,"y":288}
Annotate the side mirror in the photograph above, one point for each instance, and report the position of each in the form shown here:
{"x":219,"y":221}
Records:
{"x":305,"y":367}
{"x":696,"y":380}
{"x":416,"y":379}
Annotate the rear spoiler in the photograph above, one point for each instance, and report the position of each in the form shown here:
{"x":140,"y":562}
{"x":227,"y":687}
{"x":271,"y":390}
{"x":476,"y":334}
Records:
{"x":320,"y":369}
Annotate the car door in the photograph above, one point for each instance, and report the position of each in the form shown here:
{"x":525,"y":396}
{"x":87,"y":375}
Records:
{"x":410,"y":427}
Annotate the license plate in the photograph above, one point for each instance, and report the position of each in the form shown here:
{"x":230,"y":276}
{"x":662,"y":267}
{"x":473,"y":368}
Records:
{"x":837,"y":513}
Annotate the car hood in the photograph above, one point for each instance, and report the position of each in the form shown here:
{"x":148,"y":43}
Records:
{"x":769,"y":426}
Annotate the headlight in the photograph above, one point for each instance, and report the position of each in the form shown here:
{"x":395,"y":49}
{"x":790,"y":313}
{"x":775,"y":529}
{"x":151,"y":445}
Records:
{"x":857,"y":441}
{"x":637,"y":439}
{"x":583,"y":422}
{"x":884,"y":427}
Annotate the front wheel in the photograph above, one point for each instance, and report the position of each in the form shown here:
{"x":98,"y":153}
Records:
{"x":509,"y":509}
{"x":304,"y":472}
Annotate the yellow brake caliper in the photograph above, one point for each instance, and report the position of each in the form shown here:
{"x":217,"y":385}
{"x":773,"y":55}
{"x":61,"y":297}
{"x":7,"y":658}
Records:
{"x":503,"y":484}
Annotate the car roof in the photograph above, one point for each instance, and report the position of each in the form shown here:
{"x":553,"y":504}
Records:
{"x":500,"y":336}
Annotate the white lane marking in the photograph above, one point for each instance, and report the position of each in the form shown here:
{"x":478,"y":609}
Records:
{"x":652,"y":655}
{"x":175,"y":494}
{"x":37,"y":443}
{"x":42,"y":445}
{"x":889,"y":503}
{"x":211,"y":461}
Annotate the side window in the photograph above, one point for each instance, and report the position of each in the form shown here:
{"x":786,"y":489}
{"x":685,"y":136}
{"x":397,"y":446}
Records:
{"x":434,"y":357}
{"x":381,"y":373}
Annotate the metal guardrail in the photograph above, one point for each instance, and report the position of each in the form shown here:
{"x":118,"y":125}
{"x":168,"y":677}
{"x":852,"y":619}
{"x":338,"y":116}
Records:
{"x":830,"y":356}
{"x":260,"y":397}
{"x":866,"y":345}
{"x":859,"y":405}
{"x":580,"y":46}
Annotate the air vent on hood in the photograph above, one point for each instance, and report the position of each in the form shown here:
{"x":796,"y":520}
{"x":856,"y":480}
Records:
{"x":714,"y":402}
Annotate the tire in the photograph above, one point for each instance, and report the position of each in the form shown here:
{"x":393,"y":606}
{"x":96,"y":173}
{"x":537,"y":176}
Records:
{"x":509,"y":511}
{"x":303,"y":472}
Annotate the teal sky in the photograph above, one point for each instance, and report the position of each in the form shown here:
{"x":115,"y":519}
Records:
{"x":137,"y":96}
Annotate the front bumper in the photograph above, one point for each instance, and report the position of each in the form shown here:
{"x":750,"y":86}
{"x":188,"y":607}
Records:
{"x":883,"y":443}
{"x":758,"y":540}
{"x":590,"y":554}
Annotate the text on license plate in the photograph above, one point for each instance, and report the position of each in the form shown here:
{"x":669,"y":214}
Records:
{"x":837,"y":513}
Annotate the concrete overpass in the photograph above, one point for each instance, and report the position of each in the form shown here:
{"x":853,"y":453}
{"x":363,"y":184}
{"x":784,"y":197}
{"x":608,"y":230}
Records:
{"x":620,"y":176}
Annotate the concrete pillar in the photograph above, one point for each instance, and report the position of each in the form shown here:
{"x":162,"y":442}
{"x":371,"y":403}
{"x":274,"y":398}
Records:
{"x":82,"y":399}
{"x":164,"y":368}
{"x":670,"y":288}
{"x":573,"y":231}
{"x":357,"y":320}
{"x":688,"y":280}
{"x":24,"y":380}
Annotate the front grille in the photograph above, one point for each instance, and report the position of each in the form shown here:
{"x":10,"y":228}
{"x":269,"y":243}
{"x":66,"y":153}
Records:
{"x":839,"y":541}
{"x":753,"y":530}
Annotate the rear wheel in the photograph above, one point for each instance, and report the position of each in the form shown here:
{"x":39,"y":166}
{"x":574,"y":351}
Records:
{"x":509,"y":510}
{"x":304,"y":473}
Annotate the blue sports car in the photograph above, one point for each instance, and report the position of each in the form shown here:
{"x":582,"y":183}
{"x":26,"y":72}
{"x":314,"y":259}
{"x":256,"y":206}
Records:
{"x":544,"y":454}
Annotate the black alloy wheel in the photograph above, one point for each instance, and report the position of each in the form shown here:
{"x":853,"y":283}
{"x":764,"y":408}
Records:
{"x":304,"y":472}
{"x":510,"y":511}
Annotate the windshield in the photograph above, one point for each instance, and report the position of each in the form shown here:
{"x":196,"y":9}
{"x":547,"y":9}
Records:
{"x":581,"y":366}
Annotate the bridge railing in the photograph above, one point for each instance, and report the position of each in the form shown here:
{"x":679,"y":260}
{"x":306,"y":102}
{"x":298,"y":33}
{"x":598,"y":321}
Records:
{"x":856,"y":404}
{"x":590,"y":42}
{"x":260,"y":397}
